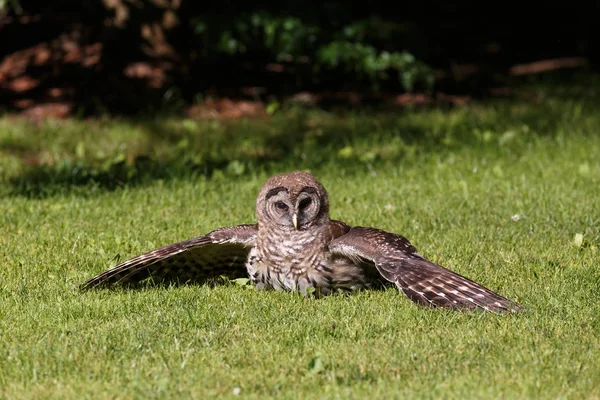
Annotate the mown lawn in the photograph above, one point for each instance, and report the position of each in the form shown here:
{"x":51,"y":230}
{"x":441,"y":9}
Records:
{"x":507,"y":193}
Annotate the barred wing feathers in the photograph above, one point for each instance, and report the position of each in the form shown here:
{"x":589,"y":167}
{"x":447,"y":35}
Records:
{"x":221,"y":252}
{"x":421,"y":280}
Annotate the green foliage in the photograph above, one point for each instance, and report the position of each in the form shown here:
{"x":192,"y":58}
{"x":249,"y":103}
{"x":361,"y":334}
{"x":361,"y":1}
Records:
{"x":365,"y":59}
{"x":356,"y":46}
{"x":13,"y":5}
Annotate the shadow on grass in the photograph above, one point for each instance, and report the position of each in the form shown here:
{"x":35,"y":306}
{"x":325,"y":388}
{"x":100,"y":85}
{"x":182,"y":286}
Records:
{"x":308,"y":139}
{"x":240,"y":280}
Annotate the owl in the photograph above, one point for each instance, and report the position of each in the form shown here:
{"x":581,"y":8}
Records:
{"x":295,"y":246}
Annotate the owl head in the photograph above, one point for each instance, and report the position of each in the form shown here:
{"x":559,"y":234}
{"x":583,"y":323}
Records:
{"x":295,"y":200}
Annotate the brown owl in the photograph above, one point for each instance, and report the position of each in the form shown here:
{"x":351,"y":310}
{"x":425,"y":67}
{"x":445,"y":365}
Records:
{"x":295,"y":246}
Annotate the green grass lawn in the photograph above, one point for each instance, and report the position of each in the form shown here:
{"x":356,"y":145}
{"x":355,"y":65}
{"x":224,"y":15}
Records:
{"x":506,"y":193}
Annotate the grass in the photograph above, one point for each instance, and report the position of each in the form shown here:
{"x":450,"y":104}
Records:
{"x":499,"y":192}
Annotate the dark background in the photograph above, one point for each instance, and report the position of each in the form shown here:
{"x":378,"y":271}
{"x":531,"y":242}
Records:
{"x":115,"y":56}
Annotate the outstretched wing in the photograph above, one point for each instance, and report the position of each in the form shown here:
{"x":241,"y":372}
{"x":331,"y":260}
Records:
{"x":221,"y":252}
{"x":421,"y":280}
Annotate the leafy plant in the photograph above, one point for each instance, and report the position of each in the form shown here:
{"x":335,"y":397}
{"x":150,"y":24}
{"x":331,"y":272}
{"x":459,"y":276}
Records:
{"x":13,"y":5}
{"x":366,"y":48}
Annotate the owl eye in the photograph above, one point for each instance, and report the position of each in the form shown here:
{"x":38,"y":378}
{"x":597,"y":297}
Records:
{"x":304,"y":203}
{"x":281,"y":205}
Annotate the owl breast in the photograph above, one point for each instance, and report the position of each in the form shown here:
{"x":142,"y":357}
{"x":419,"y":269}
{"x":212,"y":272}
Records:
{"x":300,"y":261}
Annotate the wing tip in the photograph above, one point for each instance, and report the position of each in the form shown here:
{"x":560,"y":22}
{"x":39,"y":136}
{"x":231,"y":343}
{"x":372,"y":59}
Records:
{"x":495,"y":304}
{"x":96,"y":282}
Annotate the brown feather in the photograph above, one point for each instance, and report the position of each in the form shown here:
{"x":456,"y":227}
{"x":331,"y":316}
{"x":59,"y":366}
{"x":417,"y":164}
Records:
{"x":421,"y":280}
{"x":221,"y":252}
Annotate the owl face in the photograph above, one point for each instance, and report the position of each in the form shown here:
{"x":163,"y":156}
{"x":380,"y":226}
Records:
{"x":293,"y":210}
{"x":296,"y":202}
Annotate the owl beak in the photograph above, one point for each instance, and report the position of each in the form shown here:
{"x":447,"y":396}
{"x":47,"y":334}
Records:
{"x":295,"y":220}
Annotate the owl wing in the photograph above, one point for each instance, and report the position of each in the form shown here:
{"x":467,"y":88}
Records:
{"x":221,"y":252}
{"x":421,"y":280}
